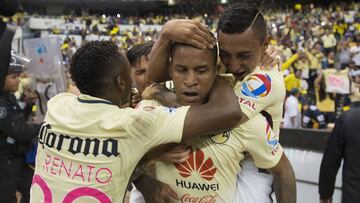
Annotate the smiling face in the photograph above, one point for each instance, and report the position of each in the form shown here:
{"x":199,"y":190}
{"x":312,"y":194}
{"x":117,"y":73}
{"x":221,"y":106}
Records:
{"x":241,"y":52}
{"x":193,"y":72}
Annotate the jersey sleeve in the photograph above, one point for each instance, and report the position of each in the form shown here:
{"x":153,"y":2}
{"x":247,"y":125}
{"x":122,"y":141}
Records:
{"x":152,"y":125}
{"x":258,"y":91}
{"x":262,"y":143}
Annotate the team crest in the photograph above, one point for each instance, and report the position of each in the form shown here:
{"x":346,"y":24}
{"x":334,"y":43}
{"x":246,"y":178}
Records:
{"x":220,"y":138}
{"x":256,"y":86}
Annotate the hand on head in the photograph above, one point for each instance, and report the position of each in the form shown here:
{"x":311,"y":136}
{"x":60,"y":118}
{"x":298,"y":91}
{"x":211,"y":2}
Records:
{"x":190,"y":32}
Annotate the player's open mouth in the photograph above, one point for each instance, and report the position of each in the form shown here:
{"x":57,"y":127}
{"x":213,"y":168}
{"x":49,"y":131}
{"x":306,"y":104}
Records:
{"x":190,"y":97}
{"x":190,"y":94}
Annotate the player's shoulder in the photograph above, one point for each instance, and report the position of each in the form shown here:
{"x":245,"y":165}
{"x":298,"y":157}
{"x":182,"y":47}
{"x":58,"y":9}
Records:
{"x":61,"y":98}
{"x":262,"y":84}
{"x":257,"y":85}
{"x":147,"y":105}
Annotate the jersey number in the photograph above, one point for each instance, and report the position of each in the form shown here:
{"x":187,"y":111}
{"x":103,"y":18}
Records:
{"x":73,"y":194}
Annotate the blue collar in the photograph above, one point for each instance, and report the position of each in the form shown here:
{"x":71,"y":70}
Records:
{"x":93,"y":100}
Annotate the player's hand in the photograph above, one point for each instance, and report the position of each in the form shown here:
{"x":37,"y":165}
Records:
{"x":166,"y":194}
{"x":135,"y":99}
{"x":159,"y":192}
{"x":151,"y":91}
{"x":161,"y":94}
{"x":190,"y":32}
{"x":271,"y":58}
{"x":178,"y":154}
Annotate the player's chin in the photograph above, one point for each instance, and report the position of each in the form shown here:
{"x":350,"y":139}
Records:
{"x":188,"y":101}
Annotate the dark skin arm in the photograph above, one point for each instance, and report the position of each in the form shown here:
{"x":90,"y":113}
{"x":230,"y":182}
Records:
{"x":154,"y":190}
{"x":284,"y":181}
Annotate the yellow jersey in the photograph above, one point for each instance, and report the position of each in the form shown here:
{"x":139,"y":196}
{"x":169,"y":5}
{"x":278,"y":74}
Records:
{"x":88,"y":147}
{"x":210,"y":172}
{"x":263,"y":90}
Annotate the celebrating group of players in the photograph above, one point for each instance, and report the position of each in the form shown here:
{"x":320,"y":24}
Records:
{"x":215,"y":140}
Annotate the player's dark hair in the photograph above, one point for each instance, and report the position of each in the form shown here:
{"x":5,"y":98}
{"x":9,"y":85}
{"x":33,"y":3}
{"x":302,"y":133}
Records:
{"x":135,"y":53}
{"x":214,"y":50}
{"x":241,"y":16}
{"x":93,"y":63}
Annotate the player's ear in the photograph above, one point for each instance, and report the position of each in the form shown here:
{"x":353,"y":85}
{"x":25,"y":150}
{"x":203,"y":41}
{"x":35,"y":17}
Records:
{"x":265,"y":44}
{"x":120,"y":83}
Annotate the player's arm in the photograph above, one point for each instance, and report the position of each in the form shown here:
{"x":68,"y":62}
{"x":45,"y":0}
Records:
{"x":284,"y":181}
{"x":251,"y":106}
{"x":267,"y":153}
{"x":161,"y":94}
{"x":182,"y":31}
{"x":154,"y":190}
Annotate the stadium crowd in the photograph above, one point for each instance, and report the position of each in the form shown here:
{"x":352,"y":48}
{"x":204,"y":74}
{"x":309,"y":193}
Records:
{"x":313,"y":42}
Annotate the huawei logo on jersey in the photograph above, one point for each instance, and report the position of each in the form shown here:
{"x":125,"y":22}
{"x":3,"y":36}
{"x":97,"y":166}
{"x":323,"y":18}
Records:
{"x":196,"y":163}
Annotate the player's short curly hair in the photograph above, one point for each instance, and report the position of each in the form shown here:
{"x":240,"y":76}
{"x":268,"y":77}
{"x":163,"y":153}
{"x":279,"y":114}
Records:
{"x":92,"y":63}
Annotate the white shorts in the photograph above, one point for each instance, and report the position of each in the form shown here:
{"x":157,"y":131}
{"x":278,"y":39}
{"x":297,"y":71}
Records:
{"x":253,"y":186}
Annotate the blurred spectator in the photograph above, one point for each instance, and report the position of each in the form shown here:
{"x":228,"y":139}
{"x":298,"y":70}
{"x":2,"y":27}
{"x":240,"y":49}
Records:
{"x":292,"y":115}
{"x":315,"y":57}
{"x":344,"y":54}
{"x":355,"y":50}
{"x":293,"y":80}
{"x":325,"y":102}
{"x":355,"y":86}
{"x":329,"y":42}
{"x":313,"y":117}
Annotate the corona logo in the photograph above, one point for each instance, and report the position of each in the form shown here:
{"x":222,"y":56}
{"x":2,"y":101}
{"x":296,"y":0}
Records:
{"x":197,"y":163}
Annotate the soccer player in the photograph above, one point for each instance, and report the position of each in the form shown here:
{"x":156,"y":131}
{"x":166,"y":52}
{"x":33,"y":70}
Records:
{"x":209,"y":174}
{"x":243,"y":38}
{"x":89,"y":145}
{"x":138,"y":57}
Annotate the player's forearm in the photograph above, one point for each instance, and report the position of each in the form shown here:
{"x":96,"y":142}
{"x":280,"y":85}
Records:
{"x":146,"y":185}
{"x":285,"y":184}
{"x":159,"y":60}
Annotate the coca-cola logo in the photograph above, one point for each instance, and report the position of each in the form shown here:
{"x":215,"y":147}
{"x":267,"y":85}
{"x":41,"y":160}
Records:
{"x":187,"y":198}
